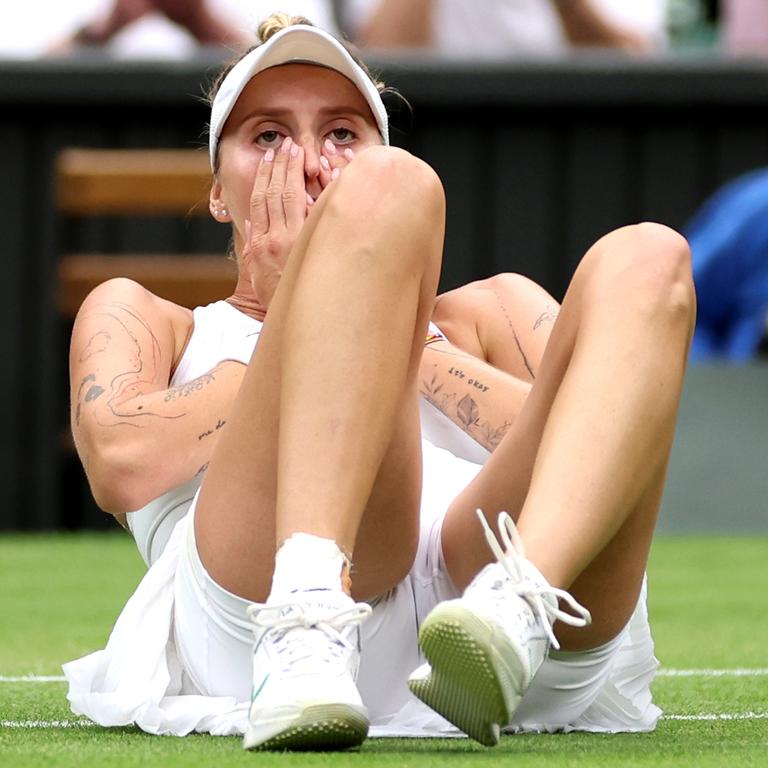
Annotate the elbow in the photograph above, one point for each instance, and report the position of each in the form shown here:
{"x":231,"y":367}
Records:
{"x":119,"y":480}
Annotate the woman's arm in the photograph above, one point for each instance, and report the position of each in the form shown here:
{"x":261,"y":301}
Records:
{"x":480,"y":376}
{"x":585,"y":25}
{"x":399,"y":24}
{"x":137,"y":437}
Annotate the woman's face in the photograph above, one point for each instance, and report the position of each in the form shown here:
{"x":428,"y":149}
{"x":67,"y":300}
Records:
{"x":309,"y":104}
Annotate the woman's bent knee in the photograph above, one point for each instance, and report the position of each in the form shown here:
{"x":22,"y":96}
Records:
{"x":649,"y":264}
{"x":384,"y":178}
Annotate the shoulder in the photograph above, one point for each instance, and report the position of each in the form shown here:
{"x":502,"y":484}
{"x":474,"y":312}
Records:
{"x":128,"y":301}
{"x":463,"y":312}
{"x":481,"y":297}
{"x":456,"y":313}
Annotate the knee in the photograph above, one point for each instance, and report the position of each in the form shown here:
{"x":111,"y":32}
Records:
{"x":389,"y":202}
{"x":383,"y":182}
{"x":649,"y":264}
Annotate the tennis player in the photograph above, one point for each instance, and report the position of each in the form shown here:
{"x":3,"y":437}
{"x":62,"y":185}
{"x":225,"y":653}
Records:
{"x":348,"y":491}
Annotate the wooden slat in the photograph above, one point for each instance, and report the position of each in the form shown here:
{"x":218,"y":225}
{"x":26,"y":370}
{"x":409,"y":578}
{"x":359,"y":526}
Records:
{"x":147,"y":182}
{"x":187,"y":279}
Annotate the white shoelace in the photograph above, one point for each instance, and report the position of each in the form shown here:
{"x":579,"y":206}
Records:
{"x":293,"y":648}
{"x":512,"y":559}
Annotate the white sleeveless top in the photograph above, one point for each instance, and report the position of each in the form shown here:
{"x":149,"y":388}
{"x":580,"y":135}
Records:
{"x":221,"y":332}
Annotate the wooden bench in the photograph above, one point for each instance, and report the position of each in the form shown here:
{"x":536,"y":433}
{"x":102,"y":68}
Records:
{"x":138,"y":183}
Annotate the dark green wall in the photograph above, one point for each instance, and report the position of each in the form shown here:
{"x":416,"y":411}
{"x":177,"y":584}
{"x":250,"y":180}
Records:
{"x":539,"y":158}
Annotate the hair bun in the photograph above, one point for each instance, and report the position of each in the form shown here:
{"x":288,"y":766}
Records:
{"x":277,"y":22}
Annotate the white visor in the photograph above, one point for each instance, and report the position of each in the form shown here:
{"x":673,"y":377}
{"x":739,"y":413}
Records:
{"x":298,"y":44}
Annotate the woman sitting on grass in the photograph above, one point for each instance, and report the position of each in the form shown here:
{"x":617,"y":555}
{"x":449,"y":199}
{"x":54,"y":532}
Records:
{"x":307,"y":545}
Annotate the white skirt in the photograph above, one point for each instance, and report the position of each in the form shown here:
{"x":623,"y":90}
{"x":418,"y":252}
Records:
{"x":139,"y":678}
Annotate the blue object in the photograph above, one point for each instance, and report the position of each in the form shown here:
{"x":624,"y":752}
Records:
{"x":729,"y":243}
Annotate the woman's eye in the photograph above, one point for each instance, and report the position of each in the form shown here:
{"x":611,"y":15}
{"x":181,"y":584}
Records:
{"x":342,"y":135}
{"x":269,"y":139}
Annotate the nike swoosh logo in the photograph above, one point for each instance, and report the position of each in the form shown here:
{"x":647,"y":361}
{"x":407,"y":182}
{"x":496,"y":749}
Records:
{"x":257,"y":691}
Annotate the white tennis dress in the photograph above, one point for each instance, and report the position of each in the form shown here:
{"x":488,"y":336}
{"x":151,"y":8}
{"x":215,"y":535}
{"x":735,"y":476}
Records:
{"x":178,"y":658}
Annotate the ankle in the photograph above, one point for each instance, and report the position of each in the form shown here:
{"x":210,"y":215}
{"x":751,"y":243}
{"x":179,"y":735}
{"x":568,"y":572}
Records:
{"x":307,"y":562}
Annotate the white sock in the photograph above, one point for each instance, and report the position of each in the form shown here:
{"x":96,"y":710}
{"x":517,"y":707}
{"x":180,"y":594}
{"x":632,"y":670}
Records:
{"x":306,"y":562}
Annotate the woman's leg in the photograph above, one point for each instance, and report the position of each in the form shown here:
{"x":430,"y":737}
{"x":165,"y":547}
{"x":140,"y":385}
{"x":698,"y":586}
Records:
{"x":325,"y":427}
{"x":582,"y":467}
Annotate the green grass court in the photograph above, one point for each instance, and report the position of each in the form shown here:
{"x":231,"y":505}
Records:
{"x":60,"y":594}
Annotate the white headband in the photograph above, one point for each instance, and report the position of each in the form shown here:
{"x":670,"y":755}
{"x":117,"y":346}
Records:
{"x":295,"y":44}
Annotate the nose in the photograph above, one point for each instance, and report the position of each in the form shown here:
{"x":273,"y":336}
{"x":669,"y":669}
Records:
{"x":312,"y":153}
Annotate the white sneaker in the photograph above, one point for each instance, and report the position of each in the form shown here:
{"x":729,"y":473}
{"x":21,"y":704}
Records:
{"x":485,"y":647}
{"x":305,"y":662}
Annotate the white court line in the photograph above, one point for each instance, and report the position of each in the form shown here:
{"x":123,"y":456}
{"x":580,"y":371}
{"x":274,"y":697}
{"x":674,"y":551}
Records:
{"x":660,"y":673}
{"x":47,"y":724}
{"x":716,"y":716}
{"x":720,"y":716}
{"x":51,"y":724}
{"x":711,"y":672}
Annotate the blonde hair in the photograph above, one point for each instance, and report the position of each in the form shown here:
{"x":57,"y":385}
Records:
{"x":277,"y":22}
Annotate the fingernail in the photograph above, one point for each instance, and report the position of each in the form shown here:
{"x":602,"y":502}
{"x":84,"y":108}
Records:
{"x":330,"y":147}
{"x":294,"y":149}
{"x":310,"y":199}
{"x":335,"y":173}
{"x":286,"y":145}
{"x":324,"y":162}
{"x":349,"y":154}
{"x":269,"y":155}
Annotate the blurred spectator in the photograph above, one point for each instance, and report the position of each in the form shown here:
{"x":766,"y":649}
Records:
{"x":694,"y":23}
{"x":729,"y":242}
{"x":745,"y":27}
{"x":197,"y":18}
{"x":503,"y":27}
{"x":143,"y":28}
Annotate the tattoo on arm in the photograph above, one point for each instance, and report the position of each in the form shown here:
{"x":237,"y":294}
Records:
{"x":465,"y":412}
{"x":520,"y":349}
{"x":124,"y":404}
{"x":185,"y":390}
{"x":97,"y":343}
{"x":93,"y":393}
{"x":472,"y":382}
{"x":523,"y":355}
{"x":548,"y":316}
{"x":219,"y":424}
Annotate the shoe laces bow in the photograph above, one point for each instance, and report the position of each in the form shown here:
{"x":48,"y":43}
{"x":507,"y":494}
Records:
{"x":521,"y":573}
{"x":277,"y":622}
